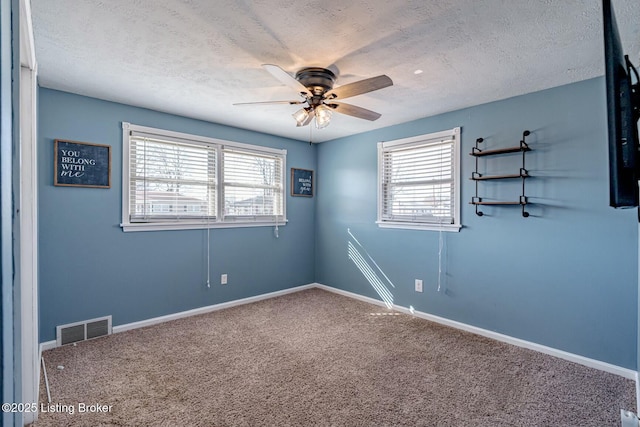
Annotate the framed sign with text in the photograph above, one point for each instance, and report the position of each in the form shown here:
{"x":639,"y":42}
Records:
{"x":301,"y":182}
{"x":81,"y":164}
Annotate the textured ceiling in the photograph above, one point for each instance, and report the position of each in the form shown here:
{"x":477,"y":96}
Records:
{"x":196,"y":58}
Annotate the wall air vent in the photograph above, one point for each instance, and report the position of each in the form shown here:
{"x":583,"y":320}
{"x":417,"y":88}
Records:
{"x":85,"y":330}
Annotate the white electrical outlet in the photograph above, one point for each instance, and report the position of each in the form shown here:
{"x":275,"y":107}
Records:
{"x":223,"y":279}
{"x":418,"y":285}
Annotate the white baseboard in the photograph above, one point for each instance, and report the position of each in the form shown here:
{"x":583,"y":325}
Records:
{"x":208,"y":309}
{"x":592,"y":363}
{"x":47,"y":345}
{"x":637,"y":394}
{"x":202,"y":310}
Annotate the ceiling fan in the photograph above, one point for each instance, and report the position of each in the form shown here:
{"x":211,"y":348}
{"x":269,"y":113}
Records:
{"x":315,"y":86}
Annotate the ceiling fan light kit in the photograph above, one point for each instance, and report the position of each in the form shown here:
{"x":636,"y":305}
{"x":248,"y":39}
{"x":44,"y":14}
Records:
{"x":301,"y":116}
{"x":315,"y":86}
{"x":323,"y":116}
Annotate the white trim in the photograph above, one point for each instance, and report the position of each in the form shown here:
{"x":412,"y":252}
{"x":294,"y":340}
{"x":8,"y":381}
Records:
{"x":29,"y":240}
{"x":208,"y":309}
{"x":457,"y":148}
{"x":571,"y":357}
{"x":453,"y":134}
{"x":379,"y":191}
{"x":585,"y":361}
{"x":194,"y":224}
{"x":30,"y":352}
{"x":220,"y":183}
{"x":166,"y":226}
{"x":449,"y":133}
{"x":190,"y":137}
{"x":637,"y":394}
{"x":126,"y":174}
{"x":27,"y":45}
{"x":419,"y":226}
{"x":48,"y":345}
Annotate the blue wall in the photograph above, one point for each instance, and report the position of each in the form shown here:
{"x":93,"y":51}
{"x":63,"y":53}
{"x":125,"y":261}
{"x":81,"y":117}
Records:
{"x":566,"y":277}
{"x":89,"y":267}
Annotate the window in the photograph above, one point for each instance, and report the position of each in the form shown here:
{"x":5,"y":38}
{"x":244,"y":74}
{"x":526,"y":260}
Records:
{"x":418,"y":182}
{"x":252,"y":184}
{"x":179,"y":181}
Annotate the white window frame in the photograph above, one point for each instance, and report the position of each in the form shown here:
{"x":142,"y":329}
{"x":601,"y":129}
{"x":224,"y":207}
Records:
{"x":451,"y":134}
{"x":195,"y":223}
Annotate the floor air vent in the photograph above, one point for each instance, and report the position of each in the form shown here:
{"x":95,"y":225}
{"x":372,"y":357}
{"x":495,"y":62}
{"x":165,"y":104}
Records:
{"x":81,"y":331}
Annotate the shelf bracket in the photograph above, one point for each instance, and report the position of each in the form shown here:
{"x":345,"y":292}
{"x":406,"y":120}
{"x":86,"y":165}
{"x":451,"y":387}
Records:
{"x":523,"y":144}
{"x":476,"y":149}
{"x":524,"y":202}
{"x":475,"y":200}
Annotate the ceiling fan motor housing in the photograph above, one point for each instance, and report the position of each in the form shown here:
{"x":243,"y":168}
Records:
{"x":317,"y":80}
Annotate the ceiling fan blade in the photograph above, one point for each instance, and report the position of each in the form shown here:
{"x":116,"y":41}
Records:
{"x":352,"y":110}
{"x":270,"y":102}
{"x":360,"y":87}
{"x":286,"y":79}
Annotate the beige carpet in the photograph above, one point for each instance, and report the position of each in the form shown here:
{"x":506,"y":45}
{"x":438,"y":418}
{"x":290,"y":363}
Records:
{"x":317,"y":358}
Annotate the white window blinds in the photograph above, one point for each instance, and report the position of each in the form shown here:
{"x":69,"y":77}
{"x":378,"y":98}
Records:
{"x":253,"y":185}
{"x":171,"y":179}
{"x":417,"y":179}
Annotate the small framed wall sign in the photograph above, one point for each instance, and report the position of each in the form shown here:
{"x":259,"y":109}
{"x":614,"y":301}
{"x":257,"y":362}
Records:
{"x":301,"y":182}
{"x":81,"y":164}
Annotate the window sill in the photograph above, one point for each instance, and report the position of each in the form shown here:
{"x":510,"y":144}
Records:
{"x":420,"y":226}
{"x":166,"y":226}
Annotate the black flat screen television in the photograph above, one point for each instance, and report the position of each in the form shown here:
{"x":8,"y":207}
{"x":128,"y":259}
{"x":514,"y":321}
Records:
{"x":623,"y":111}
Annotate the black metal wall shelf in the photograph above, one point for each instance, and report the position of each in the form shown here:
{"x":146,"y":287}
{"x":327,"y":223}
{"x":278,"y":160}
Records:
{"x":479,"y":177}
{"x":523,"y":174}
{"x":477,"y":152}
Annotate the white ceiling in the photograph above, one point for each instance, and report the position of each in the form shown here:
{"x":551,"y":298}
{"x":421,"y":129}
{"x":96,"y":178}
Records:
{"x":196,"y":58}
